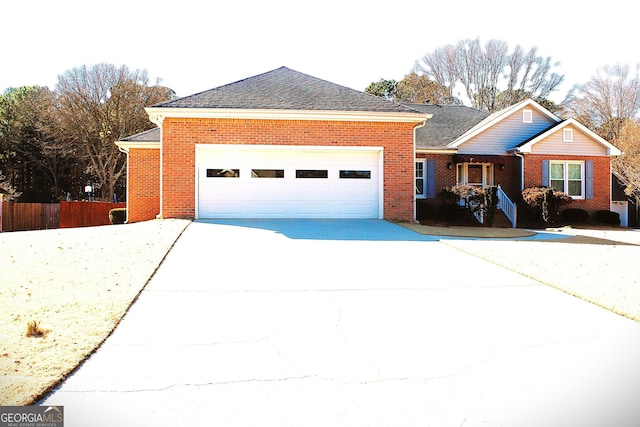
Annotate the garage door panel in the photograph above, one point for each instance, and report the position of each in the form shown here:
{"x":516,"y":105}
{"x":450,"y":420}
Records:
{"x":258,"y":193}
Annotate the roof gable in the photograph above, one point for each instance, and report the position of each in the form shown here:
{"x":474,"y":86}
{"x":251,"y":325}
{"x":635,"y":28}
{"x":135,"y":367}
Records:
{"x":286,"y":89}
{"x":527,"y":146}
{"x":501,"y":115}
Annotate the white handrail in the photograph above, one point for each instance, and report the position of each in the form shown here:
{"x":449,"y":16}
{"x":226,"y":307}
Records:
{"x":507,"y":207}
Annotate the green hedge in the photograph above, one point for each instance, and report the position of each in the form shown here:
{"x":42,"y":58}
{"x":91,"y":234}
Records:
{"x":608,"y":217}
{"x":118,"y":215}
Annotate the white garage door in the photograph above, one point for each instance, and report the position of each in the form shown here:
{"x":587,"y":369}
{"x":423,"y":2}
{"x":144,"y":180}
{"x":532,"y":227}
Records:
{"x":288,"y":182}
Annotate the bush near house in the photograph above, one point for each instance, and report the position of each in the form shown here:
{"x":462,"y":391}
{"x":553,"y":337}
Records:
{"x":574,"y":216}
{"x":118,"y":215}
{"x":608,"y":217}
{"x":547,"y":200}
{"x":444,"y":211}
{"x":482,"y":201}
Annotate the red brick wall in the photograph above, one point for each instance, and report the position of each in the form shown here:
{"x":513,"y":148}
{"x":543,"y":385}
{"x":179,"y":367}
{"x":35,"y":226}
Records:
{"x":508,"y":178}
{"x":181,"y":135}
{"x":445,"y":178}
{"x":143,"y":201}
{"x":601,"y":181}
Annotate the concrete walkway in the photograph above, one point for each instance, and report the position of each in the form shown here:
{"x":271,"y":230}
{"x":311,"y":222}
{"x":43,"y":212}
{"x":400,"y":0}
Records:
{"x":352,"y":323}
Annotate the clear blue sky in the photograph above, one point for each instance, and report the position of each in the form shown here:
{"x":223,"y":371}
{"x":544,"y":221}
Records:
{"x":196,"y":45}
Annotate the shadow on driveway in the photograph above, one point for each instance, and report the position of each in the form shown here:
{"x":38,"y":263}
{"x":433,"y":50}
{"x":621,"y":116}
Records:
{"x":351,"y":229}
{"x":329,"y":229}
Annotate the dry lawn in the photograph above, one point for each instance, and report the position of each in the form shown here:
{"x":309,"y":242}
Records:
{"x":75,"y":284}
{"x":600,"y":266}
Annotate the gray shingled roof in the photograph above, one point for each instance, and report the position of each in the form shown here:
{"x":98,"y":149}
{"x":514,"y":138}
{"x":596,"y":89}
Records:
{"x":151,"y":135}
{"x":447,"y":123}
{"x":286,"y":89}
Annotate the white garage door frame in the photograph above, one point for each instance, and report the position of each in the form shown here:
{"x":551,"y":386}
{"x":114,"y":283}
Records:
{"x":206,"y":150}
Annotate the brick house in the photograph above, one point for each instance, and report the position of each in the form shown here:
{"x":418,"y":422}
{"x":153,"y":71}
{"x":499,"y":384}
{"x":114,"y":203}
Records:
{"x":287,"y":145}
{"x":522,"y":146}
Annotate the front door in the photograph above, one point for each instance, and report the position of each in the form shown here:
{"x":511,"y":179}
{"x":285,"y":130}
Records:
{"x":478,"y":174}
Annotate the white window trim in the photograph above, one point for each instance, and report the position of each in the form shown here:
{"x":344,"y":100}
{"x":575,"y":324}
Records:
{"x":565,"y":166}
{"x":462,"y":173}
{"x":527,"y":116}
{"x":423,"y":178}
{"x":567,"y":135}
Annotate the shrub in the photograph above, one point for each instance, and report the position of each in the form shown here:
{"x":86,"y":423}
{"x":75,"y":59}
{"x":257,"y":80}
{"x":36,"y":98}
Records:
{"x":424,"y":211}
{"x":118,"y":215}
{"x":608,"y":217}
{"x":548,"y":200}
{"x":479,"y":200}
{"x":574,"y":215}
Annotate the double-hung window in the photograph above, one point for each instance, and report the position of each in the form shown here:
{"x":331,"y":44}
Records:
{"x":567,"y":177}
{"x":425,"y":178}
{"x":420,"y":187}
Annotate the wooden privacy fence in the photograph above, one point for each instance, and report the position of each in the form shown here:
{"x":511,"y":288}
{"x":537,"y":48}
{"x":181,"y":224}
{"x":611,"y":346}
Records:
{"x":42,"y":216}
{"x":84,"y":214}
{"x":30,"y":216}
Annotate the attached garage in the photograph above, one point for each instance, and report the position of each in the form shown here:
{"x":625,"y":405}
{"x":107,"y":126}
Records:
{"x":241,"y":181}
{"x":281,"y":144}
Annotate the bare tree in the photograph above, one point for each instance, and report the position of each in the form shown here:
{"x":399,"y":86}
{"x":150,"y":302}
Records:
{"x":486,"y":72}
{"x":607,"y":101}
{"x":99,"y":105}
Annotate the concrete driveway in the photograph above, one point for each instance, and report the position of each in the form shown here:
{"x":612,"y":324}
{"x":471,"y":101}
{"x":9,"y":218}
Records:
{"x":352,"y":323}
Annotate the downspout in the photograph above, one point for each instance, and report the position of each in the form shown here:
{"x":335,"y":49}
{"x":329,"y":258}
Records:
{"x":126,"y":151}
{"x":521,"y":169}
{"x":157,"y":119}
{"x":415,"y":128}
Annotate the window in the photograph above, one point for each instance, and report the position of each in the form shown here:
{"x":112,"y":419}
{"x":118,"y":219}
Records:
{"x":223,"y":173}
{"x":425,"y":178}
{"x":474,"y":174}
{"x":567,"y":135}
{"x":349,"y":174}
{"x":420,"y":179}
{"x":267,"y":173}
{"x":567,"y":177}
{"x":527,"y":116}
{"x":311,"y":173}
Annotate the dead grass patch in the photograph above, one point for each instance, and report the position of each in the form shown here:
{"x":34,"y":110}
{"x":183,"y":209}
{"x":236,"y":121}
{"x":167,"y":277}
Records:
{"x":70,"y":287}
{"x":464,"y":231}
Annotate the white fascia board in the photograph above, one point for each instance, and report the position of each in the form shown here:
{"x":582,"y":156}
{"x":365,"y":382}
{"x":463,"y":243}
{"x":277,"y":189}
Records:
{"x":612,"y":150}
{"x":127,"y":145}
{"x":436,"y":150}
{"x":260,"y":147}
{"x":157,"y":114}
